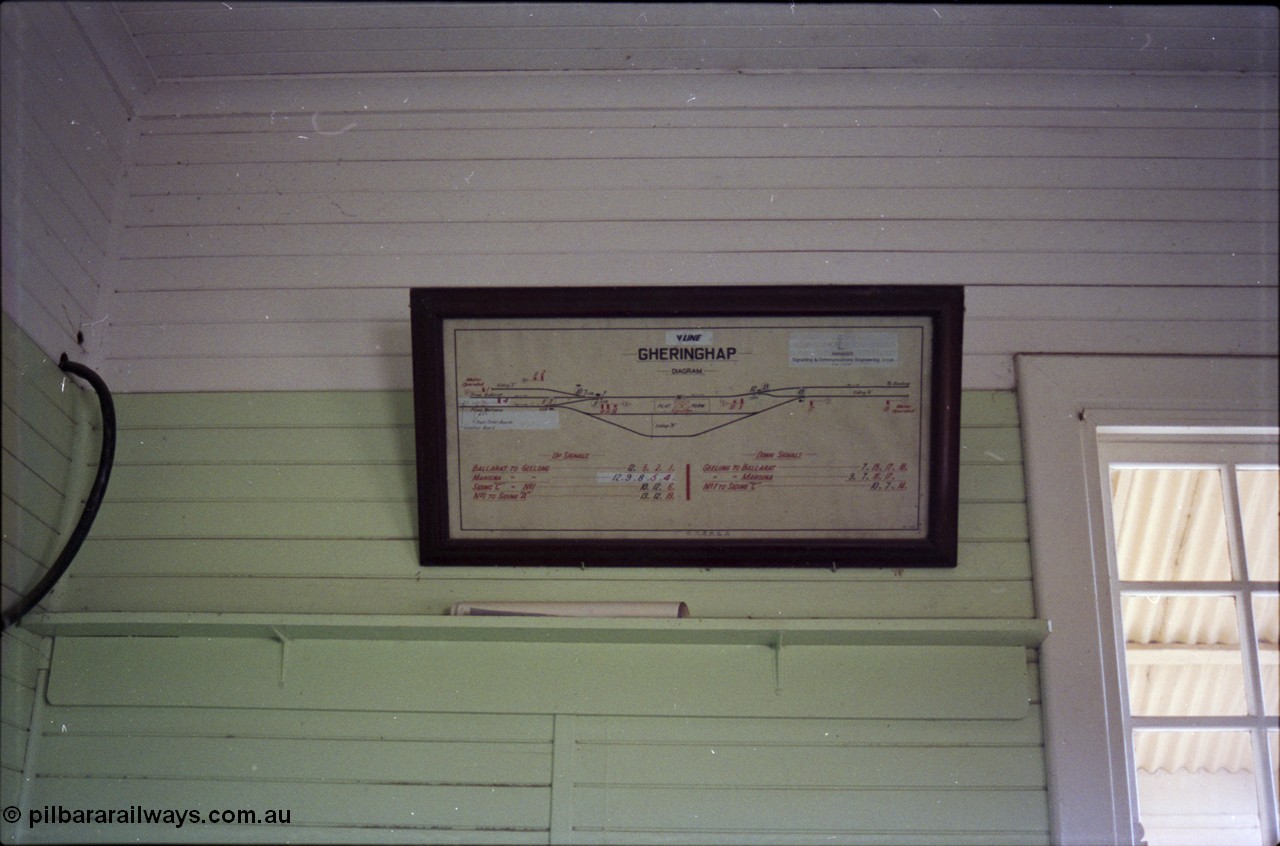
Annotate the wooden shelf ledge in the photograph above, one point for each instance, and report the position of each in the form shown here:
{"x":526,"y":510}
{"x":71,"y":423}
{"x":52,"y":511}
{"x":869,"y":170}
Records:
{"x":587,"y":630}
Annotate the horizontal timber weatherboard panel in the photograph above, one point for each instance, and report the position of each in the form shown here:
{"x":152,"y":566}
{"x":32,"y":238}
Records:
{"x":365,"y":760}
{"x":679,"y":142}
{"x":325,"y":804}
{"x":640,"y":744}
{"x":931,"y":117}
{"x":653,"y":631}
{"x":849,"y":265}
{"x":816,"y":733}
{"x":959,"y":236}
{"x":883,"y":594}
{"x":315,"y":559}
{"x":823,"y":89}
{"x":256,"y":482}
{"x":778,"y":54}
{"x":257,"y":519}
{"x":283,"y":409}
{"x":626,"y":808}
{"x":698,"y":763}
{"x":702,"y":204}
{"x":849,"y":172}
{"x":409,"y":725}
{"x":386,"y":443}
{"x":156,"y":19}
{"x":875,"y":681}
{"x":529,"y":729}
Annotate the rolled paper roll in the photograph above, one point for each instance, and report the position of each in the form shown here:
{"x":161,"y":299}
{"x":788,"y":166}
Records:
{"x":569,"y":609}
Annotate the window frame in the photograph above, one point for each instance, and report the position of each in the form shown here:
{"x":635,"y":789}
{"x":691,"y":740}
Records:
{"x":1226,"y":451}
{"x":1063,"y":400}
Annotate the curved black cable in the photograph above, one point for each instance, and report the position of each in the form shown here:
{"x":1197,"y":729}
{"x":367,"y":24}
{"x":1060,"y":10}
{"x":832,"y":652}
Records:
{"x":91,"y":504}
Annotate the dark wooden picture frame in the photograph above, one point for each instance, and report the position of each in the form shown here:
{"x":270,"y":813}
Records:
{"x":457,"y":332}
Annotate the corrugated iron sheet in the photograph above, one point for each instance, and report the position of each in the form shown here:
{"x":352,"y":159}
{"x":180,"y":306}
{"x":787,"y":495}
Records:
{"x":1260,"y":508}
{"x":1211,"y":750}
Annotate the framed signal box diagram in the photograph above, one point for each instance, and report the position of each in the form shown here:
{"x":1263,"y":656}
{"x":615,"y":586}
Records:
{"x":759,"y":426}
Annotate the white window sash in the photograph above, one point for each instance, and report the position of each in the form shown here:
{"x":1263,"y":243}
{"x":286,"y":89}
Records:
{"x":1226,"y":452}
{"x":1063,"y":400}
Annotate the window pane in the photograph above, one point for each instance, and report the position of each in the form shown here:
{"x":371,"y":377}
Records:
{"x":1183,"y":656}
{"x":1273,"y":740}
{"x":1260,"y":513}
{"x":1266,"y":618}
{"x":1169,"y":525}
{"x":1196,"y":787}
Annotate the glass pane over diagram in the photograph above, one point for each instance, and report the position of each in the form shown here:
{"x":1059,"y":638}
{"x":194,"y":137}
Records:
{"x":1260,"y":515}
{"x":1183,"y":655}
{"x":1197,"y":787}
{"x":1169,"y":524}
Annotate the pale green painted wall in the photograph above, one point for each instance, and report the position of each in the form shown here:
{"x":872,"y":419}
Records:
{"x":39,"y":434}
{"x":46,"y":421}
{"x":22,"y":657}
{"x":303,"y":503}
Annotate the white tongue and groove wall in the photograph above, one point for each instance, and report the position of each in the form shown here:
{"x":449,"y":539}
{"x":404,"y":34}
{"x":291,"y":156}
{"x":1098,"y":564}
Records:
{"x":236,"y":249}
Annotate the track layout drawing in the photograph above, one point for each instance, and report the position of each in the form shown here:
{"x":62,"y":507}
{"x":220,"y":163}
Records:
{"x":672,"y":415}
